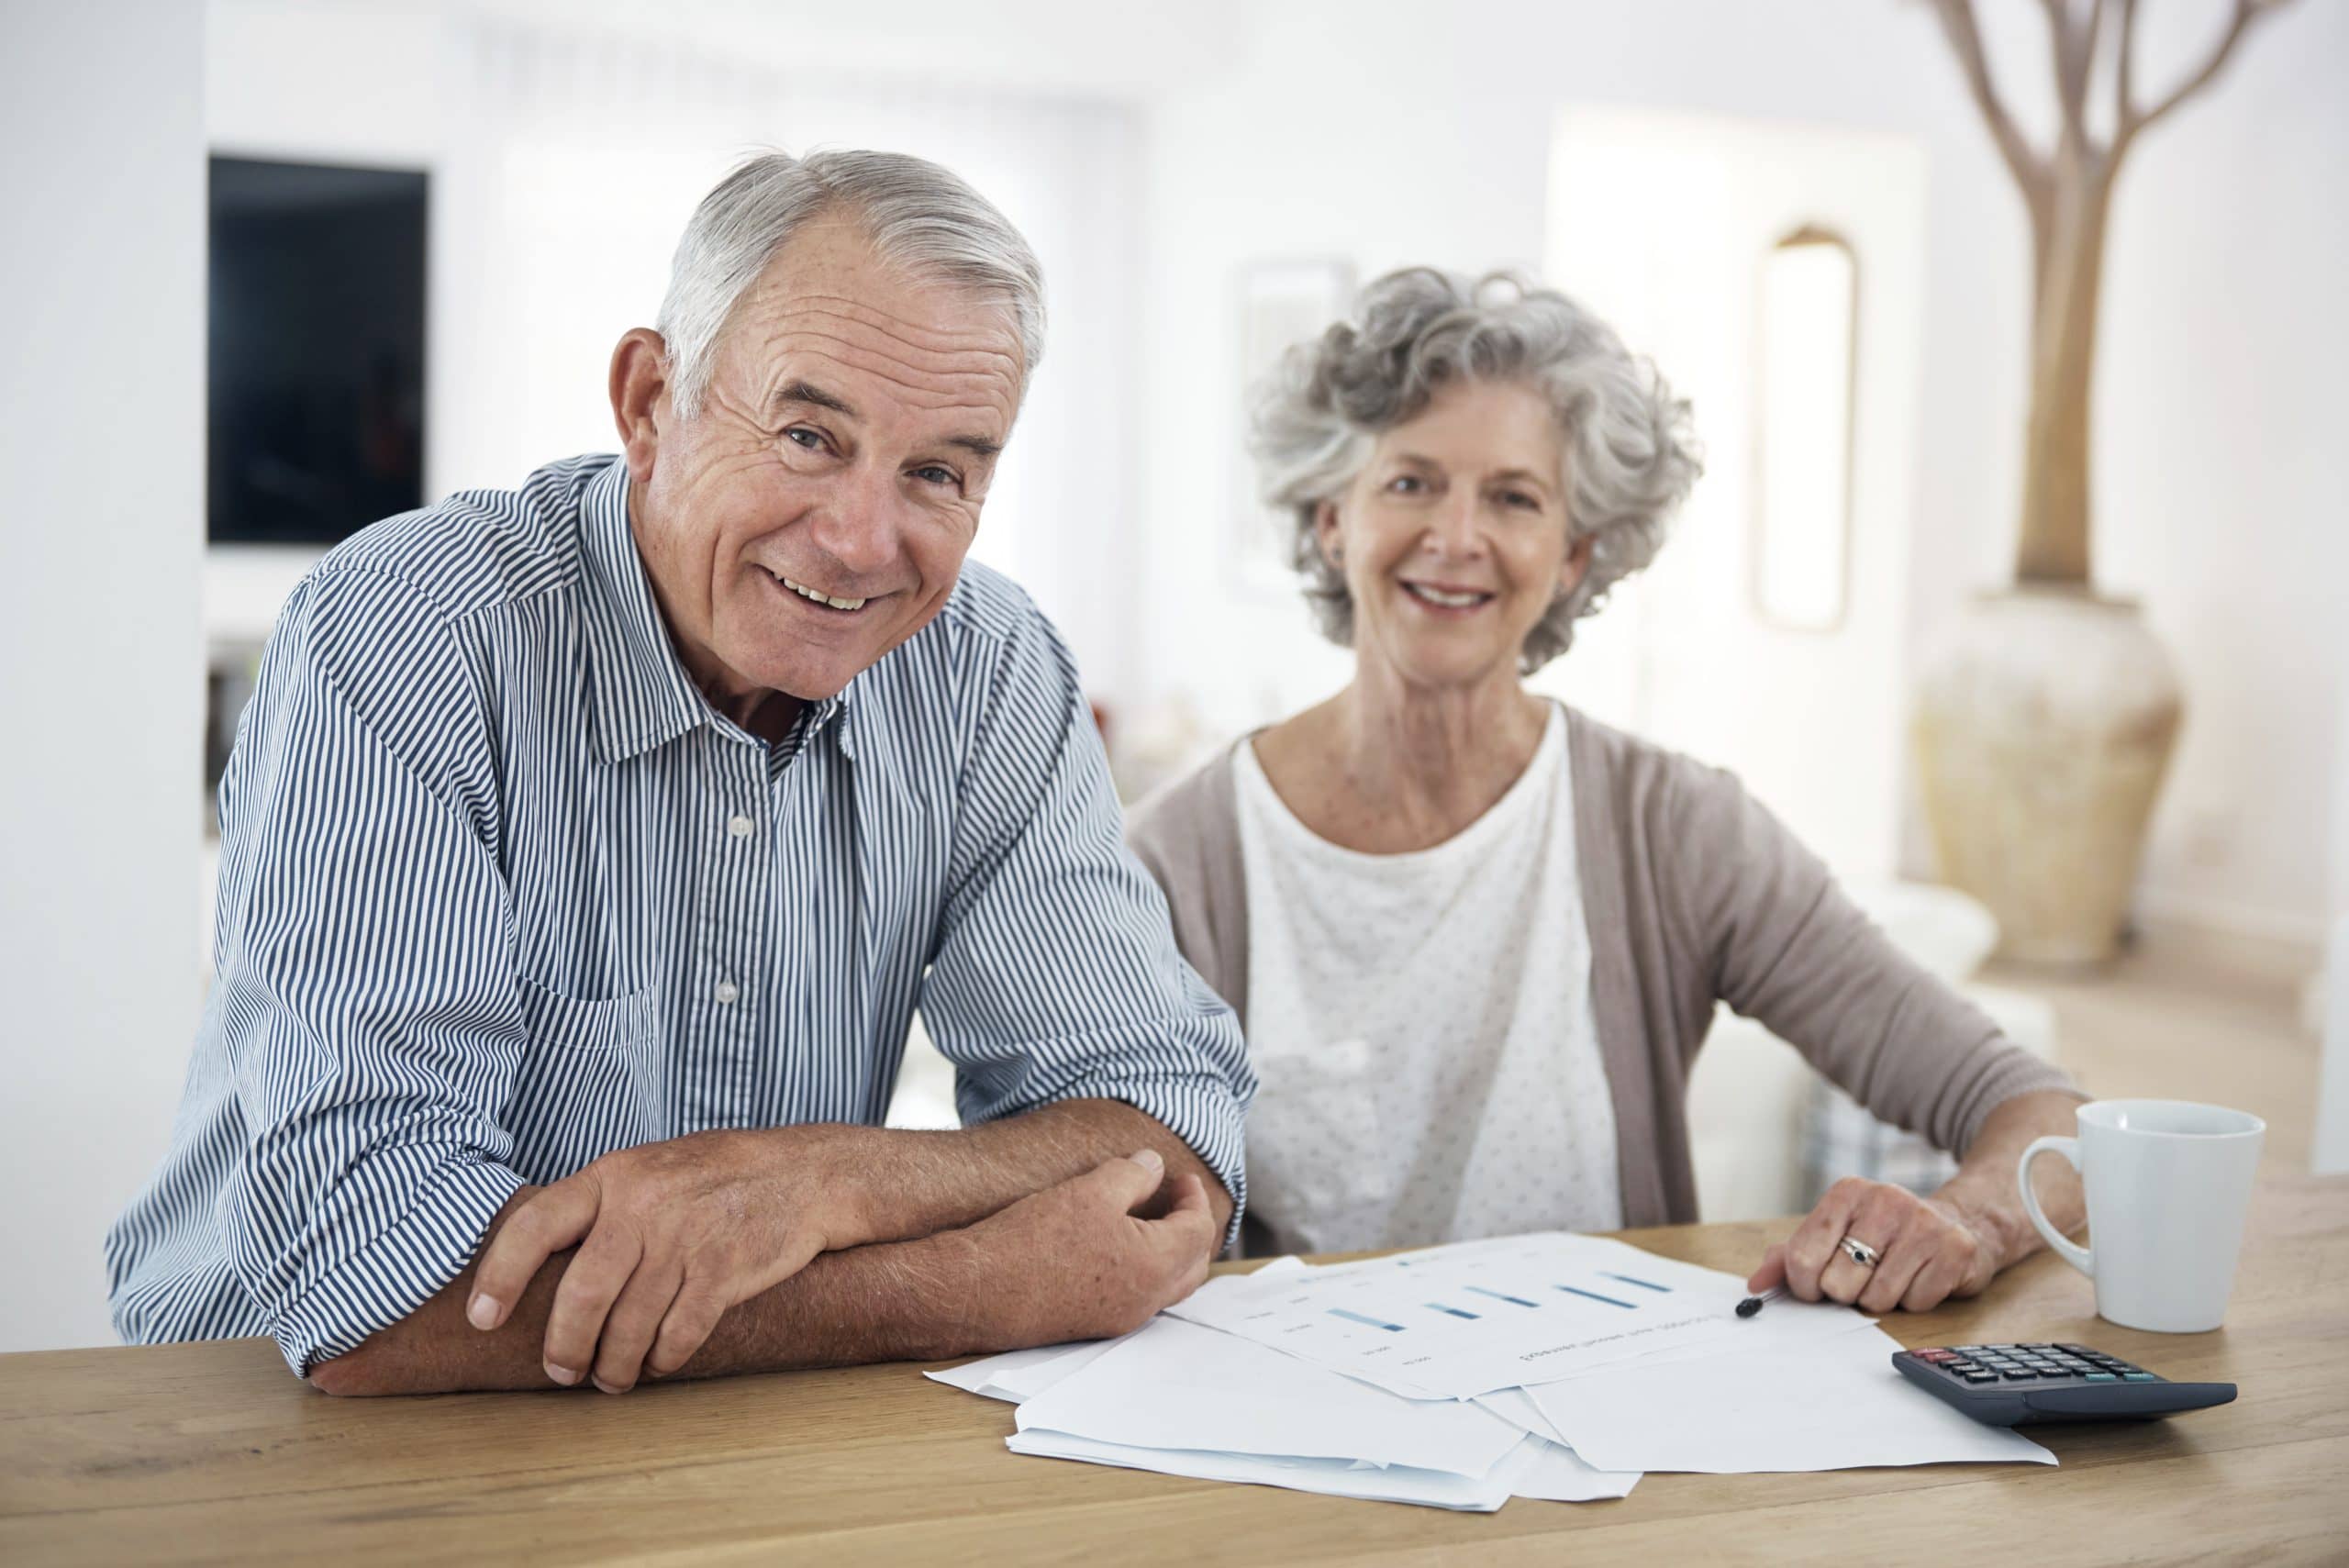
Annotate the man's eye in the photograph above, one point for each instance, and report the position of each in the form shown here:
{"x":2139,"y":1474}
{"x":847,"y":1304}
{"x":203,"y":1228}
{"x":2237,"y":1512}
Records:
{"x":932,"y":473}
{"x":805,"y":436}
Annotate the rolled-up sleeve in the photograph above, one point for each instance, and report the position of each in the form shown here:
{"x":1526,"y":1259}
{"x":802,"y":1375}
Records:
{"x":365,"y":993}
{"x":1791,"y":950}
{"x":1054,"y":974}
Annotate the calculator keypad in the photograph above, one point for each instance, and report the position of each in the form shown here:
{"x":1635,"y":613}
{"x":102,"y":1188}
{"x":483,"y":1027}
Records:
{"x":1985,"y":1364}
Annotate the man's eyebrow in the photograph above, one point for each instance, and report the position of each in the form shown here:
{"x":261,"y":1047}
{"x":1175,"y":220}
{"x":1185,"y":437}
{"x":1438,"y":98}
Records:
{"x":815,"y":397}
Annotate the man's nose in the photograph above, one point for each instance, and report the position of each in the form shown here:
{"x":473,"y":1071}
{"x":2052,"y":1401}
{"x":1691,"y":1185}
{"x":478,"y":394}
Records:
{"x":858,"y":524}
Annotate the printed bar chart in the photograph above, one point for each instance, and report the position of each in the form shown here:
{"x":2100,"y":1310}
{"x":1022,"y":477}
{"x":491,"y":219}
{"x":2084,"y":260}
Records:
{"x":1464,"y":1321}
{"x":1594,"y":1296}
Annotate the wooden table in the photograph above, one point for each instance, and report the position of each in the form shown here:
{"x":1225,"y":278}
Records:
{"x":213,"y":1452}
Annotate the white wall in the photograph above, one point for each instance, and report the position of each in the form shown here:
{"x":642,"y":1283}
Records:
{"x":1377,"y":130}
{"x":1815,"y":721}
{"x":2331,"y":1147}
{"x":101,"y":437}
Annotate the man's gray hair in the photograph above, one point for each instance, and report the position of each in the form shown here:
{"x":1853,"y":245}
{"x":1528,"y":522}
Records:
{"x":1630,"y":453}
{"x":918,"y":216}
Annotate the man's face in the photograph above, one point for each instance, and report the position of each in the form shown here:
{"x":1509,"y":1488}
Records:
{"x":844,"y":449}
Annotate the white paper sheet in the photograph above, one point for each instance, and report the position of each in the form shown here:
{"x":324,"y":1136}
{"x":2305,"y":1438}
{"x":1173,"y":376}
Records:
{"x":1517,"y":1407}
{"x":1458,"y":1321}
{"x":1834,"y":1403}
{"x":1397,"y":1483}
{"x":1177,"y":1386}
{"x":1536,"y":1469}
{"x":1016,"y":1375}
{"x":1552,"y":1473}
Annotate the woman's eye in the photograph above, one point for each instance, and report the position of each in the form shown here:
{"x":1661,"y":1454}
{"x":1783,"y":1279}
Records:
{"x":1406,"y":484}
{"x":1520,"y":498}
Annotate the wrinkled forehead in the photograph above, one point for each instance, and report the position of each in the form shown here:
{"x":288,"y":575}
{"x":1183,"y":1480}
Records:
{"x":828,"y":310}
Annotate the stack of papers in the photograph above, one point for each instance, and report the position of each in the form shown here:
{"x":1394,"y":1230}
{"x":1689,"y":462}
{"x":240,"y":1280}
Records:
{"x":1552,"y":1366}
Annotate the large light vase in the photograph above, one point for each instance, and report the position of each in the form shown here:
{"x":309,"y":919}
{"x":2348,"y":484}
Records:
{"x":2043,"y":728}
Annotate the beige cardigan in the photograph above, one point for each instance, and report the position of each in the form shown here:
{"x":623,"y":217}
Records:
{"x":1694,"y":893}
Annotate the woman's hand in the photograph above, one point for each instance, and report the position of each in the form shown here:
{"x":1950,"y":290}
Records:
{"x":1928,"y":1251}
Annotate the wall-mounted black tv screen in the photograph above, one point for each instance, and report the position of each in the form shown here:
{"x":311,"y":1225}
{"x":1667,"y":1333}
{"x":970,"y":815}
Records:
{"x":317,"y":353}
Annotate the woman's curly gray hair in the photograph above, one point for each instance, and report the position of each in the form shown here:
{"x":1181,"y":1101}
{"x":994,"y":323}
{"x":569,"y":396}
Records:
{"x":1630,"y":453}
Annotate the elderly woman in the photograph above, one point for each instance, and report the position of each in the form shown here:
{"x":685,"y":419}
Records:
{"x":1476,"y":938}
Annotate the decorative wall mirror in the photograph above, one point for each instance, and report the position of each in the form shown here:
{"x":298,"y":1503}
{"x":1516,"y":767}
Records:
{"x":1806,"y":329}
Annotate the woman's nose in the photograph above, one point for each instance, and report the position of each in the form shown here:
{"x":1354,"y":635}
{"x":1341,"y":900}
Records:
{"x":1455,"y":529}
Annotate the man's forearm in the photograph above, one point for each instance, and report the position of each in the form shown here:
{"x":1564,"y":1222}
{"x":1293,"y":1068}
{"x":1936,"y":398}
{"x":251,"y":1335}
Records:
{"x":921,"y":1300}
{"x":914,"y":1184}
{"x":1984,"y":1188}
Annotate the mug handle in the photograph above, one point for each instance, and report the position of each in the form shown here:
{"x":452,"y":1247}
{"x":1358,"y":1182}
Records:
{"x":2079,"y":1257}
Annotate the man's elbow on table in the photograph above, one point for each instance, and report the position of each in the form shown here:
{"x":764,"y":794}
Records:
{"x":353,"y":1375}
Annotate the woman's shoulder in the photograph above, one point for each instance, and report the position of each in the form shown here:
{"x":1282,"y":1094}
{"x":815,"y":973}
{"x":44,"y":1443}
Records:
{"x":1189,"y":813}
{"x":1638,"y":773}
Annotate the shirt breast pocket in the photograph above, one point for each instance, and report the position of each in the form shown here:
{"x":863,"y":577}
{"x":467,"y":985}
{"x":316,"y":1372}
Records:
{"x":593,"y":1079}
{"x":553,"y":1021}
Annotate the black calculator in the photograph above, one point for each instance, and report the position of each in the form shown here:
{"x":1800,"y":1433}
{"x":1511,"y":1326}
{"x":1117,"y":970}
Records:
{"x":2014,"y":1385}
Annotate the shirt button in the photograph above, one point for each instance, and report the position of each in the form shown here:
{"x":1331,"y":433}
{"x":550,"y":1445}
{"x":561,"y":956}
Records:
{"x":741,"y":827}
{"x":727,"y":991}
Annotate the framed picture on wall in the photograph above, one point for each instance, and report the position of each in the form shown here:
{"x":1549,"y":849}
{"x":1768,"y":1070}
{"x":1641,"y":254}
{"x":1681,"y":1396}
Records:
{"x":1276,"y":304}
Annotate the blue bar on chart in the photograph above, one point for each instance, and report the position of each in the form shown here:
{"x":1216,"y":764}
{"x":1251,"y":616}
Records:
{"x":1594,"y":1296}
{"x":1496,"y":1296}
{"x":1366,"y":1322}
{"x":1440,"y":1307}
{"x":1644,"y":1285}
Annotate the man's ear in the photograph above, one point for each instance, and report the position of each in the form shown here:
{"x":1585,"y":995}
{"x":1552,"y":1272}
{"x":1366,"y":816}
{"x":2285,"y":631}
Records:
{"x":640,"y":397}
{"x":1577,"y":566}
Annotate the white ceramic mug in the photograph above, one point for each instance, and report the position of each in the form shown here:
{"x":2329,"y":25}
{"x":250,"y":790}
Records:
{"x":2168,"y":1184}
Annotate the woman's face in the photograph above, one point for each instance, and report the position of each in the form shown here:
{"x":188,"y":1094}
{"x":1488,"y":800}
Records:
{"x":1453,"y":538}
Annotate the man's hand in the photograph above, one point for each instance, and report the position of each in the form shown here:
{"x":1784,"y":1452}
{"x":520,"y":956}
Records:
{"x":1930,"y":1249}
{"x":670,"y":1236}
{"x":1096,"y":1266}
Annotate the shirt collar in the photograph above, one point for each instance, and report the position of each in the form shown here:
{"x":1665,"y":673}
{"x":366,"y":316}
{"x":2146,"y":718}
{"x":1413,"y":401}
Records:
{"x":643,"y":695}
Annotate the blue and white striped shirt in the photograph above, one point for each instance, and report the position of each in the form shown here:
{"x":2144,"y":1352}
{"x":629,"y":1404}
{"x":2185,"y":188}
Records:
{"x":501,"y":893}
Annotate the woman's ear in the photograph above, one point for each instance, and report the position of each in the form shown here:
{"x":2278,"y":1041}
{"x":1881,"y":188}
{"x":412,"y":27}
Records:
{"x":640,"y":387}
{"x":1576,"y":565}
{"x":1325,"y":534}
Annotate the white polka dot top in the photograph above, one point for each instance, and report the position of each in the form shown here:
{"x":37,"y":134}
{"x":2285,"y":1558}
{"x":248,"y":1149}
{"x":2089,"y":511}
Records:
{"x":1422,"y":1030}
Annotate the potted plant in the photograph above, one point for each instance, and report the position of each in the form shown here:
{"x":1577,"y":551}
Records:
{"x":2045,"y":727}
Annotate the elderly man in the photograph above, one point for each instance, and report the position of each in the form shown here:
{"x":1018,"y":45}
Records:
{"x":587,"y":849}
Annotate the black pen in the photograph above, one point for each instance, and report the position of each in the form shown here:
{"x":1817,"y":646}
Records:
{"x":1753,"y":1303}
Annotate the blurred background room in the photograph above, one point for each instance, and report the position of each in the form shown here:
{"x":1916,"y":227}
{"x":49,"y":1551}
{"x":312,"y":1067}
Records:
{"x":281,"y":267}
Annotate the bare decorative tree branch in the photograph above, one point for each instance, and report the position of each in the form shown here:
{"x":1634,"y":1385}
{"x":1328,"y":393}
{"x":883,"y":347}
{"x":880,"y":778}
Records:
{"x":1957,"y":21}
{"x":2068,"y":191}
{"x":2124,"y":93}
{"x":2246,"y":13}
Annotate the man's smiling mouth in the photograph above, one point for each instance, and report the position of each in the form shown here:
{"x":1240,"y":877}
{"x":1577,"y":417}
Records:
{"x":817,"y":596}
